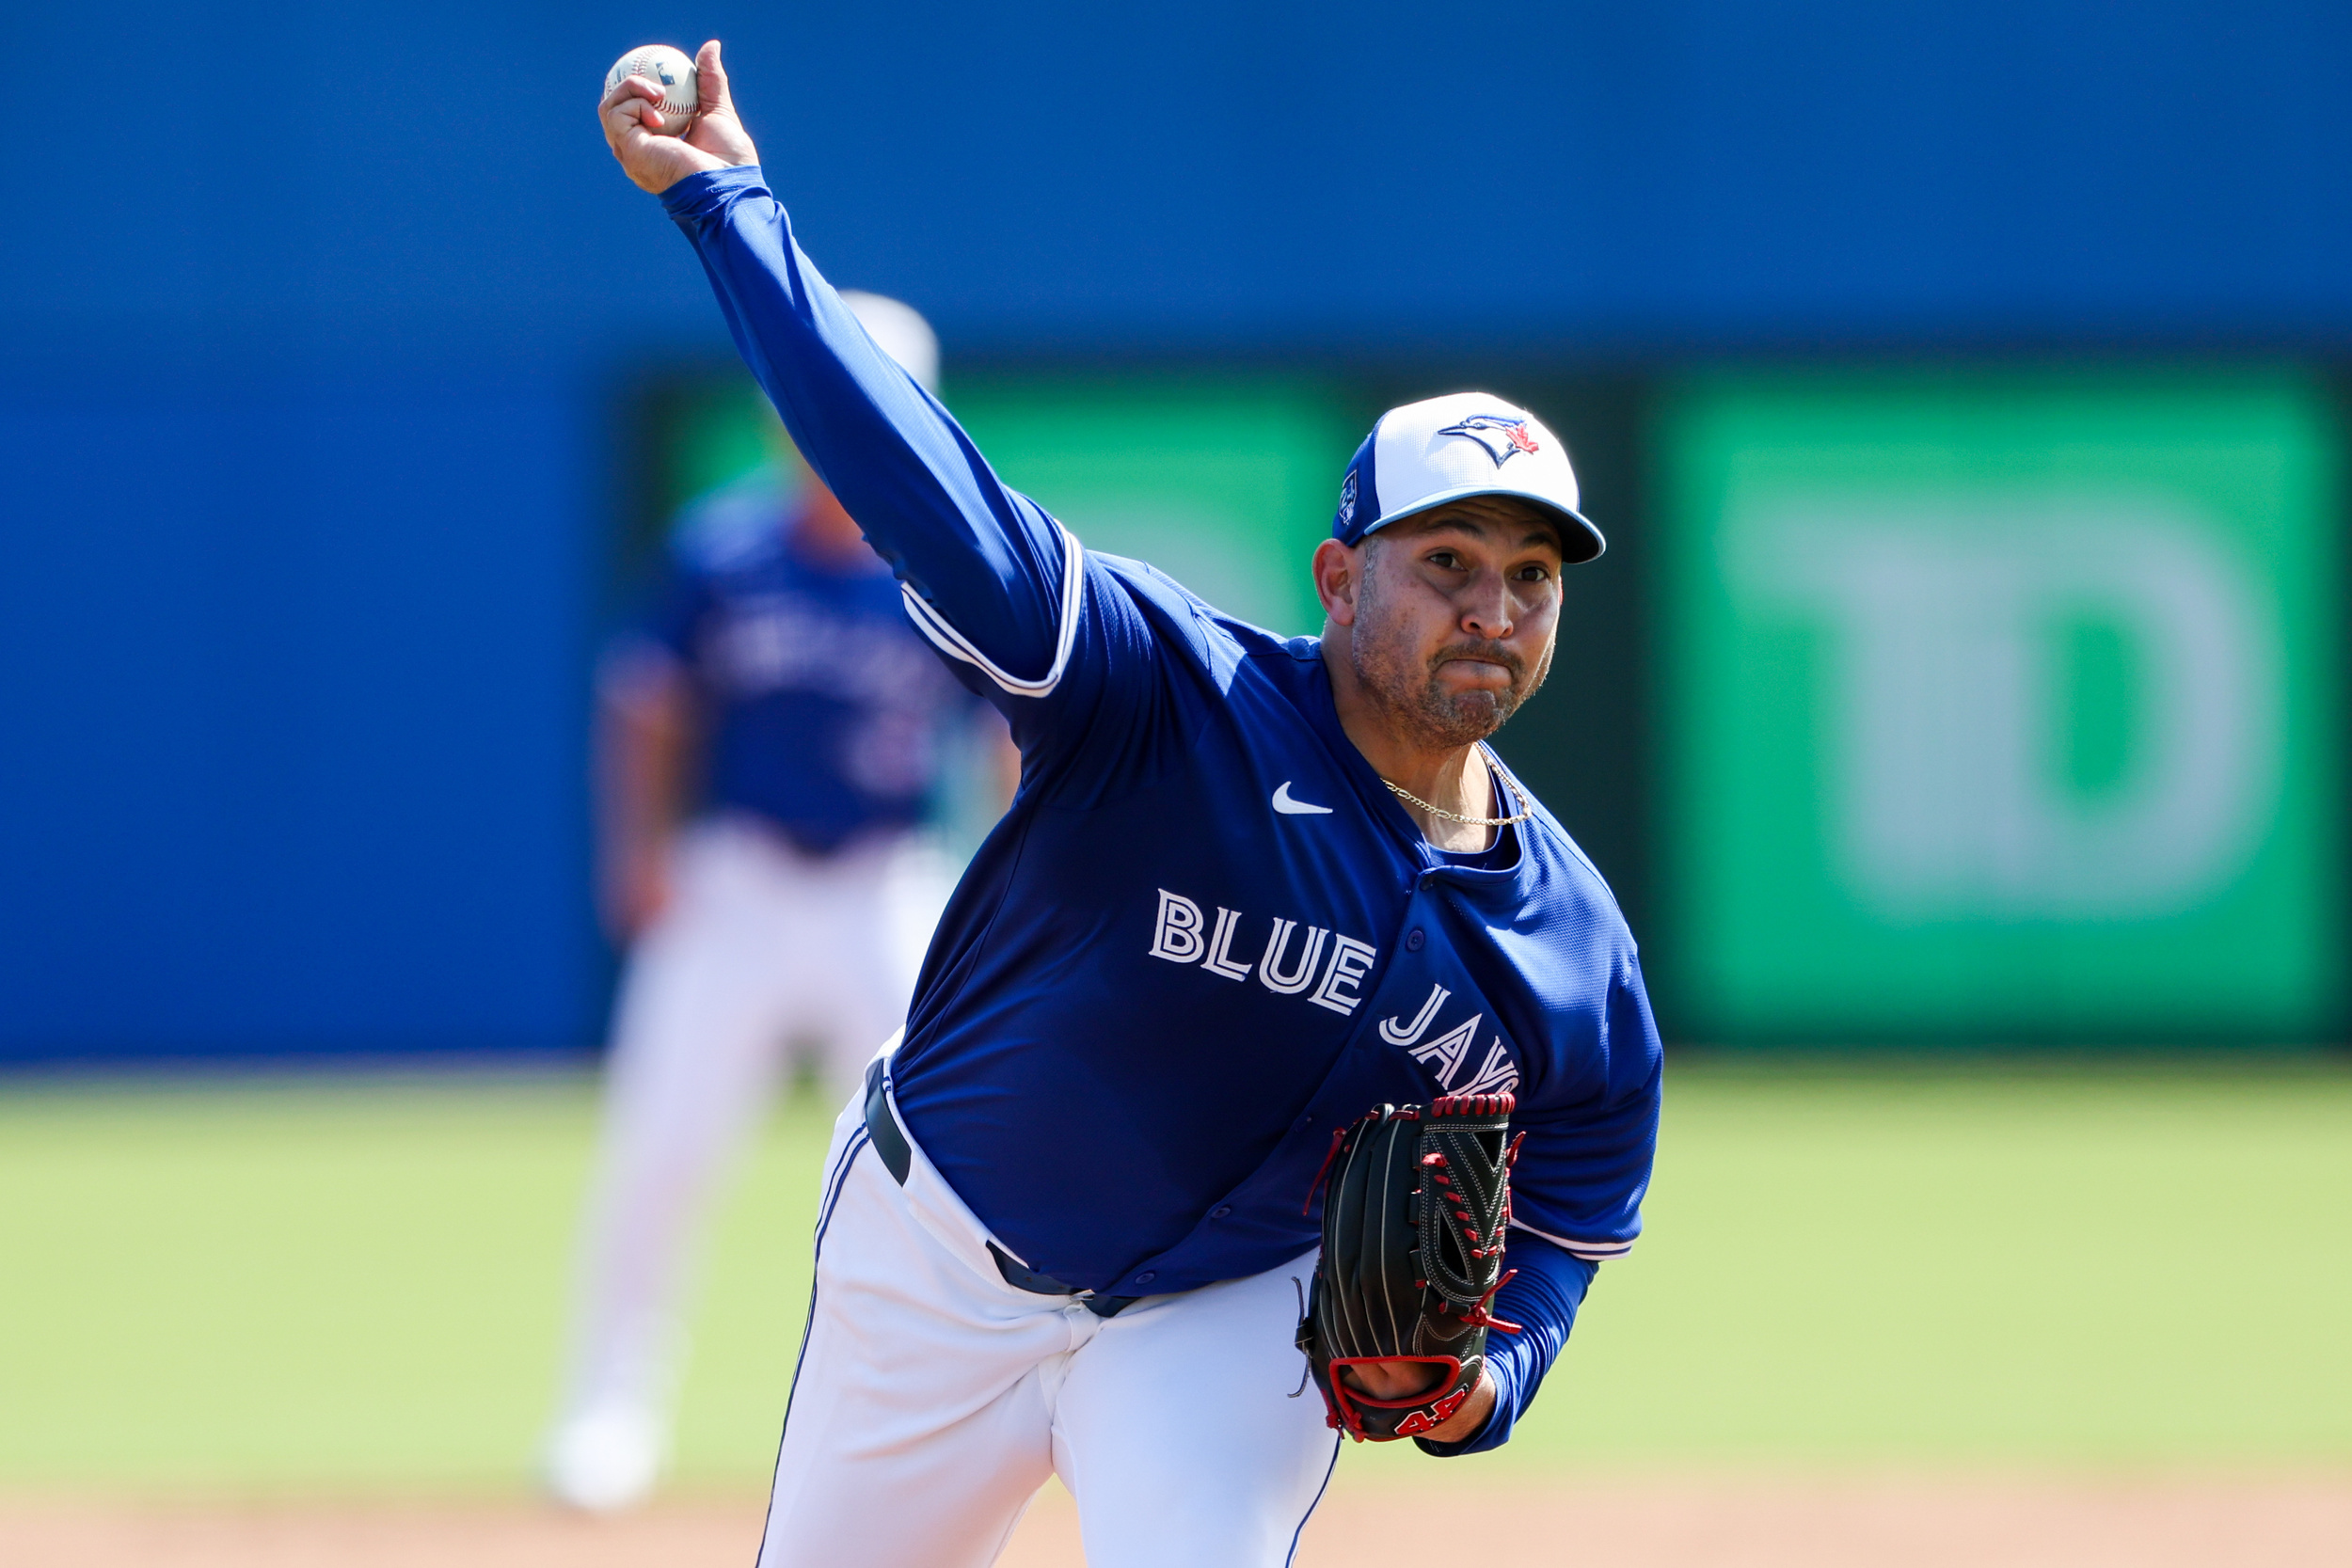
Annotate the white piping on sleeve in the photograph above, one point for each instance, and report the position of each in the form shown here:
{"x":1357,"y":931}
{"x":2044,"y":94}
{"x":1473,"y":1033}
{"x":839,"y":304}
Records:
{"x":1592,"y":1252}
{"x":956,"y":645}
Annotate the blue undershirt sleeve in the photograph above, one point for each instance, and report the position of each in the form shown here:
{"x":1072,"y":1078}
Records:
{"x":994,"y":582}
{"x":1542,"y":1299}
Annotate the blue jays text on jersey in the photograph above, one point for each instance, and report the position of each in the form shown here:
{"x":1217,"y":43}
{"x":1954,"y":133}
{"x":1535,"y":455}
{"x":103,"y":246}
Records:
{"x":824,"y":711}
{"x":1205,"y":936}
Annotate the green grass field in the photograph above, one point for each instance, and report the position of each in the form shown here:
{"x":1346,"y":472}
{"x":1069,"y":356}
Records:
{"x":358,"y":1285}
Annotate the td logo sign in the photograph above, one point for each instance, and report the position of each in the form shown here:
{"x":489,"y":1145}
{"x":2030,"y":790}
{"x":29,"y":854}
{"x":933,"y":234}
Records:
{"x":1948,"y":699}
{"x":2002,"y":708}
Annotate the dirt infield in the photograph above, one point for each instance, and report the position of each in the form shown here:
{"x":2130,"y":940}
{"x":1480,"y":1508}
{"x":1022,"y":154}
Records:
{"x":1646,"y":1524}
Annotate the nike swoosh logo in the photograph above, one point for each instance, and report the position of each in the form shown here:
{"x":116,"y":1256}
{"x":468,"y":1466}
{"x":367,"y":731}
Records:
{"x":1288,"y":807}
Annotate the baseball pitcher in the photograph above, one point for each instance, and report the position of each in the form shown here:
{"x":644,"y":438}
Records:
{"x":1268,"y":928}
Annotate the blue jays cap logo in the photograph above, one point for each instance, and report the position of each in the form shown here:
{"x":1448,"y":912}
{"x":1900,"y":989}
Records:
{"x":1347,"y":500}
{"x":1503,"y":436}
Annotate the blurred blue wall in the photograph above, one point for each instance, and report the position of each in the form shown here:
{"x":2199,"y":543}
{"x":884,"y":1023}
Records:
{"x":319,"y":316}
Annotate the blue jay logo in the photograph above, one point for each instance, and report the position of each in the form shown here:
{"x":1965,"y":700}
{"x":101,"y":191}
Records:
{"x":1503,"y":437}
{"x":1347,"y":500}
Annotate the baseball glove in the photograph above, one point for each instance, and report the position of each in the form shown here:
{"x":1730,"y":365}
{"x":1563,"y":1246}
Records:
{"x":1412,"y":1254}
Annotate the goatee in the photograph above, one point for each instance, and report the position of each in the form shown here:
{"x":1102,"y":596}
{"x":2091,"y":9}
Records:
{"x":1419,"y":703}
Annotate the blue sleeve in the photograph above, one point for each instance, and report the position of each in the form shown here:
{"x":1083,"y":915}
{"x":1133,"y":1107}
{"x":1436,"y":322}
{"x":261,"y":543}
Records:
{"x":1542,"y":1298}
{"x":991,"y":580}
{"x":1592,"y":1132}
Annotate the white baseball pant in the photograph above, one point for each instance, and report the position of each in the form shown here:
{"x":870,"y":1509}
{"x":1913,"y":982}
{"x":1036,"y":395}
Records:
{"x":760,"y":946}
{"x":933,"y":1399}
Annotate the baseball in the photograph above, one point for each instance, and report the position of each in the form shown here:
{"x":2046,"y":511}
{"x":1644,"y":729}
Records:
{"x":676,"y":73}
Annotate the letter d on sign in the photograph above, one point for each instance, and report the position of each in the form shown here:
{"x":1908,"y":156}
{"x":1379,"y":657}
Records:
{"x":1176,"y":936}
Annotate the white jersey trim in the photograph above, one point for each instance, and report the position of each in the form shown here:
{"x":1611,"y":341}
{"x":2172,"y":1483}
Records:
{"x":1592,"y":1252}
{"x":952,"y":642}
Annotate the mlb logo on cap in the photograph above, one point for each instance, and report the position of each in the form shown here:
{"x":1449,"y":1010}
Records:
{"x":1464,"y":444}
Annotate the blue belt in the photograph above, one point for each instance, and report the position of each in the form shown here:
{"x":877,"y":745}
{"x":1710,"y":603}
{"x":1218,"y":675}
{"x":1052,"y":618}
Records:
{"x":897,"y":1158}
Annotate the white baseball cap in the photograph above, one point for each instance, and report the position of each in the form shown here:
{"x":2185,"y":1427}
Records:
{"x":899,"y":330}
{"x":1440,"y":450}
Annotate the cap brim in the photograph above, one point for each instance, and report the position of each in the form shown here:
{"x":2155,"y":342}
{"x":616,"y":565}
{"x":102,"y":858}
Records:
{"x":1579,"y":541}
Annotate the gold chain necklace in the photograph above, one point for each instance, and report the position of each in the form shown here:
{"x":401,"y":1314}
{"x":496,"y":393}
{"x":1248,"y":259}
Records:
{"x":1410,"y":798}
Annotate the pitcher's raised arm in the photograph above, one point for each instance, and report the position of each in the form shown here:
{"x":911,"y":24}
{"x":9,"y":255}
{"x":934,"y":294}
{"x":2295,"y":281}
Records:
{"x":991,"y":579}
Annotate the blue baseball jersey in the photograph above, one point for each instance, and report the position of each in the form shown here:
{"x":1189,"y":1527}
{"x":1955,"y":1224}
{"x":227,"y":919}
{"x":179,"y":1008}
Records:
{"x":824,"y":713}
{"x":1205,"y":936}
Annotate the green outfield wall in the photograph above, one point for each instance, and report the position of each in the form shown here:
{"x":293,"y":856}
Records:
{"x":1986,"y":705}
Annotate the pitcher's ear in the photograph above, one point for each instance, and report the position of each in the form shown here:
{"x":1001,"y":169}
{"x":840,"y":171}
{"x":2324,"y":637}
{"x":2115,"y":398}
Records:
{"x":1338,"y":572}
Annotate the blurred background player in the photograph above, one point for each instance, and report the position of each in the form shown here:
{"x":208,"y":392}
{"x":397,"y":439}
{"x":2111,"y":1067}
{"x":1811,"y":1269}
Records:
{"x":773,"y":740}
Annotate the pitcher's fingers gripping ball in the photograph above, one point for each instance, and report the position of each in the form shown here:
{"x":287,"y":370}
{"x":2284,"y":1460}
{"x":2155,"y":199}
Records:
{"x":1412,"y":1254}
{"x":674,"y":73}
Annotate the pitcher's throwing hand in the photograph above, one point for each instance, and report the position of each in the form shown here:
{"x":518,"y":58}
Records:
{"x":632,"y":109}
